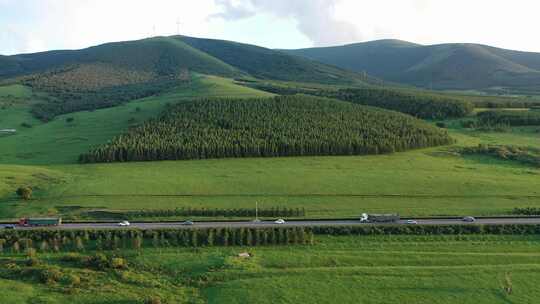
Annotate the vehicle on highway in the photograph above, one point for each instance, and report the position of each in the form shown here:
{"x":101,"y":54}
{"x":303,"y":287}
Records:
{"x":124,"y":224}
{"x":35,"y":222}
{"x":280,"y":221}
{"x":469,"y":219}
{"x":9,"y":227}
{"x":411,"y":222}
{"x":379,"y":218}
{"x":256,"y":221}
{"x":188,"y":223}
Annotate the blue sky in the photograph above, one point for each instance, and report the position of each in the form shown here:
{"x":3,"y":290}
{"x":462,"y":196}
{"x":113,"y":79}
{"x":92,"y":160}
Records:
{"x":39,"y":25}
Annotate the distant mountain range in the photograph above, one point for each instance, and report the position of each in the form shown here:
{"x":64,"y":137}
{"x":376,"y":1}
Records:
{"x":169,"y":55}
{"x":443,"y":66}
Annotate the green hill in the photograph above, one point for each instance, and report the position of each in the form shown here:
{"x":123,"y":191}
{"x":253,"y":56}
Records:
{"x":114,"y":73}
{"x":297,"y":125}
{"x":270,"y":64}
{"x":444,"y":66}
{"x":168,"y":55}
{"x":159,"y":55}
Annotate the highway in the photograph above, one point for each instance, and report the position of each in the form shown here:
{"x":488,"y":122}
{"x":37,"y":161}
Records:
{"x":262,"y":224}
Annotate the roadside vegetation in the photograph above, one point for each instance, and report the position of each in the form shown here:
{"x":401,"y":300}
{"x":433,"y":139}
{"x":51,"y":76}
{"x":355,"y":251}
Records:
{"x":464,"y":268}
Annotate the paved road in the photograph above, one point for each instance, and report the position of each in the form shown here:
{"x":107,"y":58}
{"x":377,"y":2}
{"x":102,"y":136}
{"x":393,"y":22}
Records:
{"x":306,"y":223}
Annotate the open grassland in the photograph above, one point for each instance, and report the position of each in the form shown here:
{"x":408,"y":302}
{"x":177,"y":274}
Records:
{"x":373,"y":269}
{"x":422,"y":182}
{"x":434,"y":181}
{"x":15,"y":90}
{"x":61,"y":141}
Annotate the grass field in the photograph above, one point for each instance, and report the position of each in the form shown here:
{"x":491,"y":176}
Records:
{"x":60,"y":141}
{"x":375,"y":269}
{"x":416,"y":183}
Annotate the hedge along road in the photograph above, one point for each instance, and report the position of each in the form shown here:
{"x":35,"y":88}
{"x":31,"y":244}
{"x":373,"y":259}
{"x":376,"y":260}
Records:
{"x":307,"y":223}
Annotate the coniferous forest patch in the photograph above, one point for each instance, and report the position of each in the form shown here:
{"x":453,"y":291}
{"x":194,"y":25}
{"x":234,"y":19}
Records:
{"x":281,"y":126}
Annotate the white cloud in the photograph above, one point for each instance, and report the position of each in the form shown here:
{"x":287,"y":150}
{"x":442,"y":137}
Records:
{"x":315,"y":18}
{"x":37,"y":25}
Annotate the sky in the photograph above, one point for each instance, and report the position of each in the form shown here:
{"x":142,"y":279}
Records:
{"x":39,"y":25}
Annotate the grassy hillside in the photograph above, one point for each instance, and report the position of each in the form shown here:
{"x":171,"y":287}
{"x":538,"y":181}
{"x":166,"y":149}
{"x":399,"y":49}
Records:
{"x":457,"y":66}
{"x":115,"y":73}
{"x":298,"y":125}
{"x":161,"y":55}
{"x":67,"y":136}
{"x":270,"y":64}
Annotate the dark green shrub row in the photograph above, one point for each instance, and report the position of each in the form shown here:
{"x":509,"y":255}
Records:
{"x":512,"y":118}
{"x":526,"y":211}
{"x":80,"y":240}
{"x":239,"y":212}
{"x":297,"y":125}
{"x":503,"y":102}
{"x":528,"y":156}
{"x":520,"y":229}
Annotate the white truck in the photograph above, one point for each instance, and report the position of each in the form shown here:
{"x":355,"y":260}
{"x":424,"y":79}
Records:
{"x":379,"y":218}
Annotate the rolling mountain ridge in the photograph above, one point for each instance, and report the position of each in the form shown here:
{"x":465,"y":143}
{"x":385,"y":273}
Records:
{"x":170,"y":55}
{"x":444,"y":66}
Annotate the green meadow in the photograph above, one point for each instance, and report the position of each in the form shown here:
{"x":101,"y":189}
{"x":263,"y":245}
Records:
{"x":368,"y":269}
{"x":435,"y":181}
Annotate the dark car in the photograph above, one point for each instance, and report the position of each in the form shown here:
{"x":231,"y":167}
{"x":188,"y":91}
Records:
{"x":9,"y":227}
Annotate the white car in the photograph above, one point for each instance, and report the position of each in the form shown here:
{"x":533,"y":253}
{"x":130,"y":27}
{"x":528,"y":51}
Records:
{"x":411,"y":222}
{"x":124,"y":224}
{"x":280,"y":221}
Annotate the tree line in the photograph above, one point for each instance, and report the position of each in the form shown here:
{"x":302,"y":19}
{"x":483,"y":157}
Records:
{"x":296,"y":125}
{"x":526,"y":211}
{"x":64,"y":100}
{"x":203,"y":212}
{"x":82,"y":240}
{"x":512,"y":118}
{"x":505,"y":229}
{"x":421,"y":105}
{"x":214,"y":212}
{"x":415,"y":103}
{"x":525,"y":155}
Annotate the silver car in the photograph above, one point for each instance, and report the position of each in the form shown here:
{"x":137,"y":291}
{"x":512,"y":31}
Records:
{"x":469,"y":219}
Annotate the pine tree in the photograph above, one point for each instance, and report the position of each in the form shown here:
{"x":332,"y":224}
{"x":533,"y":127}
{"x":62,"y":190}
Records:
{"x":44,"y":246}
{"x":194,"y":238}
{"x":15,"y":247}
{"x":79,"y":245}
{"x":137,"y":242}
{"x":210,"y":237}
{"x":249,"y":237}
